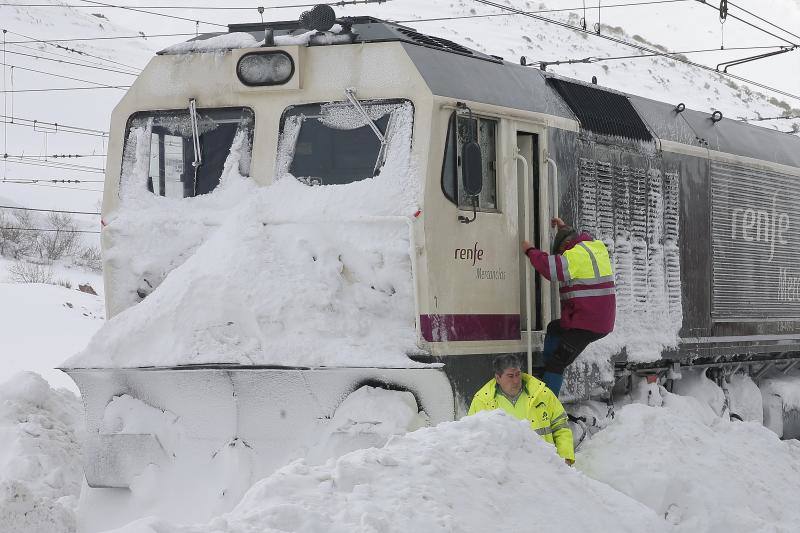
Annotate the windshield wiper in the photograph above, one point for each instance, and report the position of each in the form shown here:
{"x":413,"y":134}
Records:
{"x":351,"y":97}
{"x":198,"y":154}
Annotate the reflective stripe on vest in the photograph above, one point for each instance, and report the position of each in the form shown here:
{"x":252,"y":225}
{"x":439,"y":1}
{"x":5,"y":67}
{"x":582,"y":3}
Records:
{"x":590,"y":271}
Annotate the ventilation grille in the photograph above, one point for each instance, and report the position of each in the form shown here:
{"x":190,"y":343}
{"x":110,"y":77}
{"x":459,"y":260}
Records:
{"x":753,"y":221}
{"x":602,"y":111}
{"x":435,"y":42}
{"x":635,"y":211}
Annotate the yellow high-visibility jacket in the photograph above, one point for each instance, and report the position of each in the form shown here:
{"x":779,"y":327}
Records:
{"x":539,"y":405}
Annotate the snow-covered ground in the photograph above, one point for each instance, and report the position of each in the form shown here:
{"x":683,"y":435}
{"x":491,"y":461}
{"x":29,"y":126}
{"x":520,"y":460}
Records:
{"x":40,"y":453}
{"x":42,"y":324}
{"x":676,"y":467}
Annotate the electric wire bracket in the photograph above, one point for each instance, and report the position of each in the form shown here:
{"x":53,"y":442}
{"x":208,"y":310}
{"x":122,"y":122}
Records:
{"x":736,"y":62}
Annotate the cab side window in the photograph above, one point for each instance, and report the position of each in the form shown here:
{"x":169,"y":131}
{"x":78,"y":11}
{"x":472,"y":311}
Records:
{"x":459,"y":131}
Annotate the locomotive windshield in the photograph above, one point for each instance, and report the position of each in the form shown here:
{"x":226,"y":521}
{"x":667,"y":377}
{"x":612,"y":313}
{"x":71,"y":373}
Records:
{"x":163,"y":140}
{"x":332,"y":144}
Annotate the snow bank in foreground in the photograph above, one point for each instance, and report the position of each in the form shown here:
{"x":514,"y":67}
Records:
{"x":483,"y":473}
{"x":702,"y":473}
{"x":40,"y":469}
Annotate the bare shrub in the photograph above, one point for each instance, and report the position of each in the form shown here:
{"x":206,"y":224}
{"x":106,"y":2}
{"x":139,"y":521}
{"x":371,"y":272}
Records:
{"x":27,"y":272}
{"x":90,"y":257}
{"x":63,"y":282}
{"x":5,"y":222}
{"x":62,"y":241}
{"x":17,"y":238}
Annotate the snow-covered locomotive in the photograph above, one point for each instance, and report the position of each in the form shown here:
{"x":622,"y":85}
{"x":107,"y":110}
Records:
{"x":415,"y":166}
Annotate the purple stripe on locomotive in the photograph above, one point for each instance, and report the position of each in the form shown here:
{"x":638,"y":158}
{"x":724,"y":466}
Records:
{"x":439,"y":328}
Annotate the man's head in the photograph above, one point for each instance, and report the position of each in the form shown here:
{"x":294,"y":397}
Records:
{"x":563,"y":237}
{"x":507,"y":373}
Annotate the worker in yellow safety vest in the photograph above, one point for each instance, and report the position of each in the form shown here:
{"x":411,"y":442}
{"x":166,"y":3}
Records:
{"x":526,"y":398}
{"x":582,"y":267}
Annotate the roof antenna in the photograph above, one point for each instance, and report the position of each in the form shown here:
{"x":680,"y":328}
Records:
{"x":594,"y":80}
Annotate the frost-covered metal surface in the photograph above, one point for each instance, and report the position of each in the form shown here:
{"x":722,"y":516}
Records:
{"x":273,"y":414}
{"x":695,"y":128}
{"x":633,"y":207}
{"x":512,"y":86}
{"x":754,"y":229}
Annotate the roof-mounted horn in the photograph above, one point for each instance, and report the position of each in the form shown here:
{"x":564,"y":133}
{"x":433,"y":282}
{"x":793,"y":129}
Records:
{"x":321,"y":18}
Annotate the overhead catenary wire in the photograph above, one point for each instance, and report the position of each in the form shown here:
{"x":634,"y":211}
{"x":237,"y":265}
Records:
{"x":638,"y":47}
{"x":62,"y":187}
{"x":37,"y":48}
{"x":32,"y":181}
{"x":58,"y":165}
{"x":65,"y":62}
{"x":66,"y":89}
{"x":559,"y":10}
{"x":53,"y":74}
{"x":51,"y":229}
{"x":72,"y":50}
{"x":138,"y":10}
{"x":340,"y":3}
{"x":765,"y":20}
{"x":759,"y":28}
{"x":50,"y":129}
{"x":106,"y":38}
{"x":49,"y":210}
{"x":599,"y":59}
{"x":53,"y":156}
{"x":57,"y":125}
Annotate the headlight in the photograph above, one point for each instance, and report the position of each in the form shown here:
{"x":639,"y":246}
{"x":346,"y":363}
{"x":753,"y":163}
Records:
{"x":265,"y":68}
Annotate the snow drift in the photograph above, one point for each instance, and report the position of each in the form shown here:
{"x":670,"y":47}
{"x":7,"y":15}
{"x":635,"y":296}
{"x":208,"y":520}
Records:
{"x":40,"y":468}
{"x":701,"y":472}
{"x":286,"y":274}
{"x":484,"y":472}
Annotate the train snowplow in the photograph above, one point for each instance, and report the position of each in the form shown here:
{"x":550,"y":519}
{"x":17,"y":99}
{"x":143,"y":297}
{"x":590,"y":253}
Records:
{"x":189,"y":415}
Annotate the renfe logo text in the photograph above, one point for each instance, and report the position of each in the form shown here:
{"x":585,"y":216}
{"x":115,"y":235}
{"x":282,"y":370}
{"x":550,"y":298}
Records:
{"x":760,"y":225}
{"x":469,"y":254}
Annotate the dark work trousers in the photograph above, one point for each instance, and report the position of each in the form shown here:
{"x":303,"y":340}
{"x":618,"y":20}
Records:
{"x":561,"y":347}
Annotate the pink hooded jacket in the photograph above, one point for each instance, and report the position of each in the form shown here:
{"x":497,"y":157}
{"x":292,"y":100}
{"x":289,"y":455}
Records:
{"x":593,"y":313}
